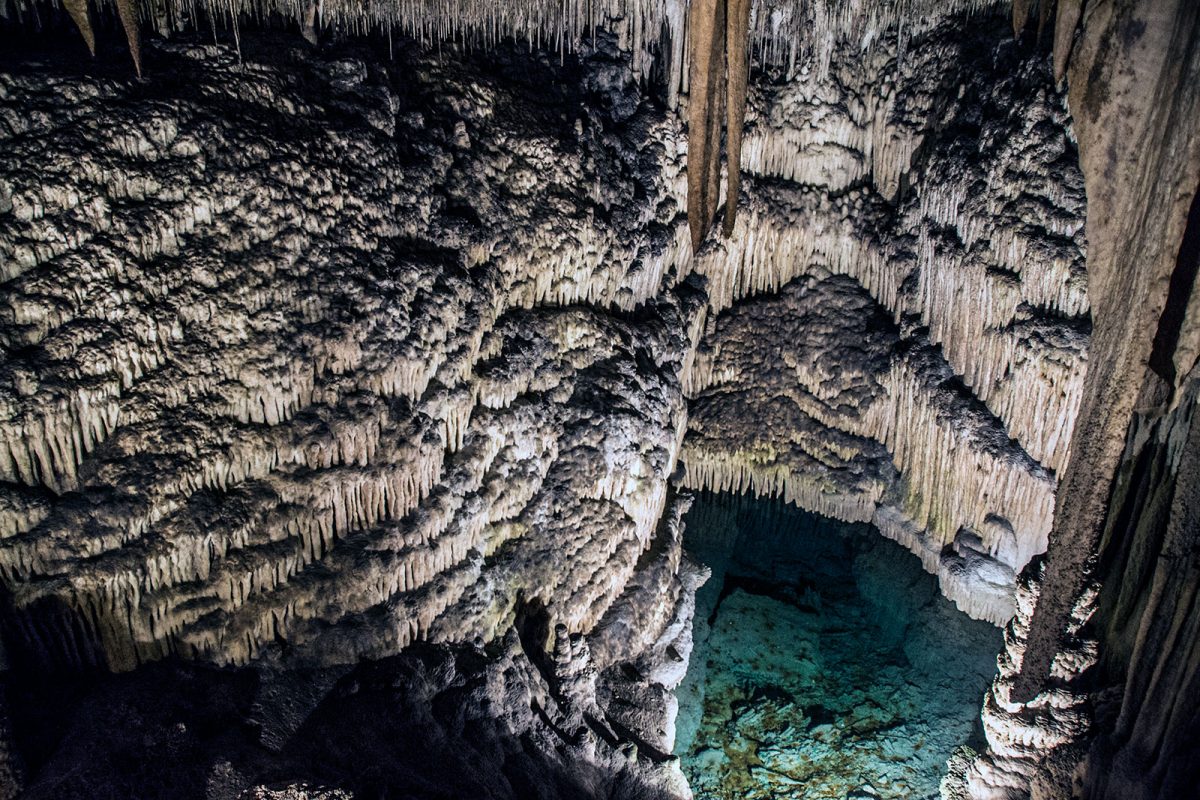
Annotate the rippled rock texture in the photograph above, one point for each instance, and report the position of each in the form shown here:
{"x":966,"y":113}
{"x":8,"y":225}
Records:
{"x":242,"y":363}
{"x":926,"y":302}
{"x":309,"y":360}
{"x":312,"y":356}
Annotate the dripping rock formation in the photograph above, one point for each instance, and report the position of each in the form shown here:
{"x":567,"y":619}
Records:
{"x":359,"y":361}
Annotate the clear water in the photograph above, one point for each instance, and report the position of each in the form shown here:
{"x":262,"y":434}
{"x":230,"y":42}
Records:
{"x":826,"y":664}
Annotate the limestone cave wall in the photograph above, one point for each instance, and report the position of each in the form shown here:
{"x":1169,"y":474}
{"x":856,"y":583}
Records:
{"x":318,"y":359}
{"x":941,"y":181}
{"x":393,"y":347}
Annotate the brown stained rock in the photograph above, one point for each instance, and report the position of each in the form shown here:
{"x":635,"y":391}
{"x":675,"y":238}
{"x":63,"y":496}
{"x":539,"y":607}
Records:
{"x":128,"y":12}
{"x":737,"y":62}
{"x":1020,"y":14}
{"x":720,"y":37}
{"x":705,"y":99}
{"x":1149,"y":751}
{"x":78,"y":9}
{"x":1066,"y":22}
{"x":1134,"y":82}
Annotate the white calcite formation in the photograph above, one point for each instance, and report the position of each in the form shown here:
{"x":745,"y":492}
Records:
{"x":391,"y":377}
{"x":1022,"y":736}
{"x":315,"y":388}
{"x":314,"y":358}
{"x":242,"y":366}
{"x":652,"y":32}
{"x":944,"y":191}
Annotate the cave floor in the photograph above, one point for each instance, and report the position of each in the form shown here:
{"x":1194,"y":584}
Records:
{"x":826,"y":665}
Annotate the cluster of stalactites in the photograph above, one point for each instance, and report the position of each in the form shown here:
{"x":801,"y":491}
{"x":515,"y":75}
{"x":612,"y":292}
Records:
{"x":1068,"y":13}
{"x":720,"y":37}
{"x":560,"y":26}
{"x":782,"y":32}
{"x":81,"y":14}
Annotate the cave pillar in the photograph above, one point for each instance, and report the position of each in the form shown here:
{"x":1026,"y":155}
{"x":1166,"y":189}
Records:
{"x":1134,"y":92}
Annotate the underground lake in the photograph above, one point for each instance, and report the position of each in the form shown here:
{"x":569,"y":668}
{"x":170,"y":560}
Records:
{"x":826,"y":664}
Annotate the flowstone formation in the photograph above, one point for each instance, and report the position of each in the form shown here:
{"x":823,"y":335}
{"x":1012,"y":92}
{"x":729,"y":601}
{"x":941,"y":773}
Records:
{"x":309,"y":398}
{"x":240,"y":365}
{"x":913,"y":243}
{"x":243,"y":367}
{"x":371,"y":373}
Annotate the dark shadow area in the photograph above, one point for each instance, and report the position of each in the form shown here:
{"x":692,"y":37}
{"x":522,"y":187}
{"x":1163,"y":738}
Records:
{"x":430,"y":723}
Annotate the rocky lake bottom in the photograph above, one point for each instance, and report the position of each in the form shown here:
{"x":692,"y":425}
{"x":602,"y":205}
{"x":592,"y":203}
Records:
{"x":826,"y":664}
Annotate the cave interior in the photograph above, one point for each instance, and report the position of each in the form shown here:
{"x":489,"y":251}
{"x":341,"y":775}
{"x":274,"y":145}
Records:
{"x":624,"y":399}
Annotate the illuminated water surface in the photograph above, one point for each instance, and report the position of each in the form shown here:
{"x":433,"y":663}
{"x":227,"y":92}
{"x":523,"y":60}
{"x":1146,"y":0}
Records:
{"x":826,"y":663}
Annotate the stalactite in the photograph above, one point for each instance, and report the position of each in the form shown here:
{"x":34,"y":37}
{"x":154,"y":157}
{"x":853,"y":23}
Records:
{"x":821,"y":392}
{"x":1019,"y":342}
{"x":807,"y":488}
{"x":955,"y":475}
{"x":1021,"y":9}
{"x":282,"y":421}
{"x":1066,"y":22}
{"x":719,"y":31}
{"x":79,"y":12}
{"x":737,"y":66}
{"x":127,"y":10}
{"x":706,"y":95}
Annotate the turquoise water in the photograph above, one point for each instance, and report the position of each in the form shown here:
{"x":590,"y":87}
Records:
{"x":826,"y":664}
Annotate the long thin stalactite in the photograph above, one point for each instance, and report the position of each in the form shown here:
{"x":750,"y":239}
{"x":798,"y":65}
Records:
{"x":719,"y":34}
